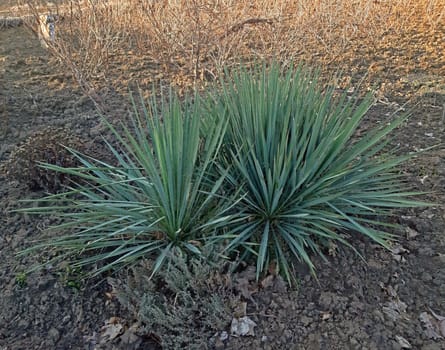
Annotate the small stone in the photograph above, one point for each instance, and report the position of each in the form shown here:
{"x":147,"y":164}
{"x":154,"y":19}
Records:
{"x":325,"y":300}
{"x":53,"y":335}
{"x":397,"y":257}
{"x":426,"y":277}
{"x":306,"y":320}
{"x":411,"y":233}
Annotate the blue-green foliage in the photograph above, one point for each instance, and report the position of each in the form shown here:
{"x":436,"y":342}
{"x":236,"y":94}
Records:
{"x":304,"y":182}
{"x":265,"y":166}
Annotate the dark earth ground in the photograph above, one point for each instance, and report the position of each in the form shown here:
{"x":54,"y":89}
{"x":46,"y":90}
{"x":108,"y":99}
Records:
{"x":385,"y":303}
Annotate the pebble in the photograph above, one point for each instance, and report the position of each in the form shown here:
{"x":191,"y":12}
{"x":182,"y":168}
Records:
{"x":426,"y":277}
{"x":53,"y":335}
{"x":306,"y":320}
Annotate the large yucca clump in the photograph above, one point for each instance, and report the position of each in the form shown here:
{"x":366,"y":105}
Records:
{"x":267,"y":166}
{"x":304,"y":181}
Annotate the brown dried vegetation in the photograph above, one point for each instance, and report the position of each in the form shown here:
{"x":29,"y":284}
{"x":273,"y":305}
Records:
{"x":187,"y":43}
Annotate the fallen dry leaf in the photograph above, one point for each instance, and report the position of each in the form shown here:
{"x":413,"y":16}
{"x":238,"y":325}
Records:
{"x":240,"y":310}
{"x":242,"y":327}
{"x":437,"y":317}
{"x":440,"y":321}
{"x":247,"y":289}
{"x":267,"y":281}
{"x":390,"y":290}
{"x":112,"y":329}
{"x":395,"y":310}
{"x":403,"y":342}
{"x":431,"y":326}
{"x":249,"y":273}
{"x":129,"y":338}
{"x":273,"y":268}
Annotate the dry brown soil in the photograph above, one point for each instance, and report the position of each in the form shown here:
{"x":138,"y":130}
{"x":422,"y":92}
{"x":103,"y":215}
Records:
{"x":377,"y":304}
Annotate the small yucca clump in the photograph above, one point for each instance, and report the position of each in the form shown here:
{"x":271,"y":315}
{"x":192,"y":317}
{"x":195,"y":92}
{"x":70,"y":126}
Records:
{"x":44,"y":146}
{"x":158,"y":197}
{"x":304,"y":182}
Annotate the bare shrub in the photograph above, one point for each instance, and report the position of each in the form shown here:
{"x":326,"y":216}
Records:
{"x":188,"y":42}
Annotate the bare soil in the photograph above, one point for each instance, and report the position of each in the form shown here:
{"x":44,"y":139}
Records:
{"x":384,"y":302}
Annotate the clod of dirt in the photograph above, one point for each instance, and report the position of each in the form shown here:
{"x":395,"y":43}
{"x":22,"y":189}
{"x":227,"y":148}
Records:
{"x":411,"y":233}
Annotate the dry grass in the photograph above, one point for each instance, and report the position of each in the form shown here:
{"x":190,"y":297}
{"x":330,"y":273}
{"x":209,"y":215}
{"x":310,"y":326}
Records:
{"x":188,"y":42}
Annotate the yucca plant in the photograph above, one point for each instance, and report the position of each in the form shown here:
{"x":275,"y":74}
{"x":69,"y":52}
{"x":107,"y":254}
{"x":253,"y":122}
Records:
{"x":305,"y":180}
{"x":156,"y":202}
